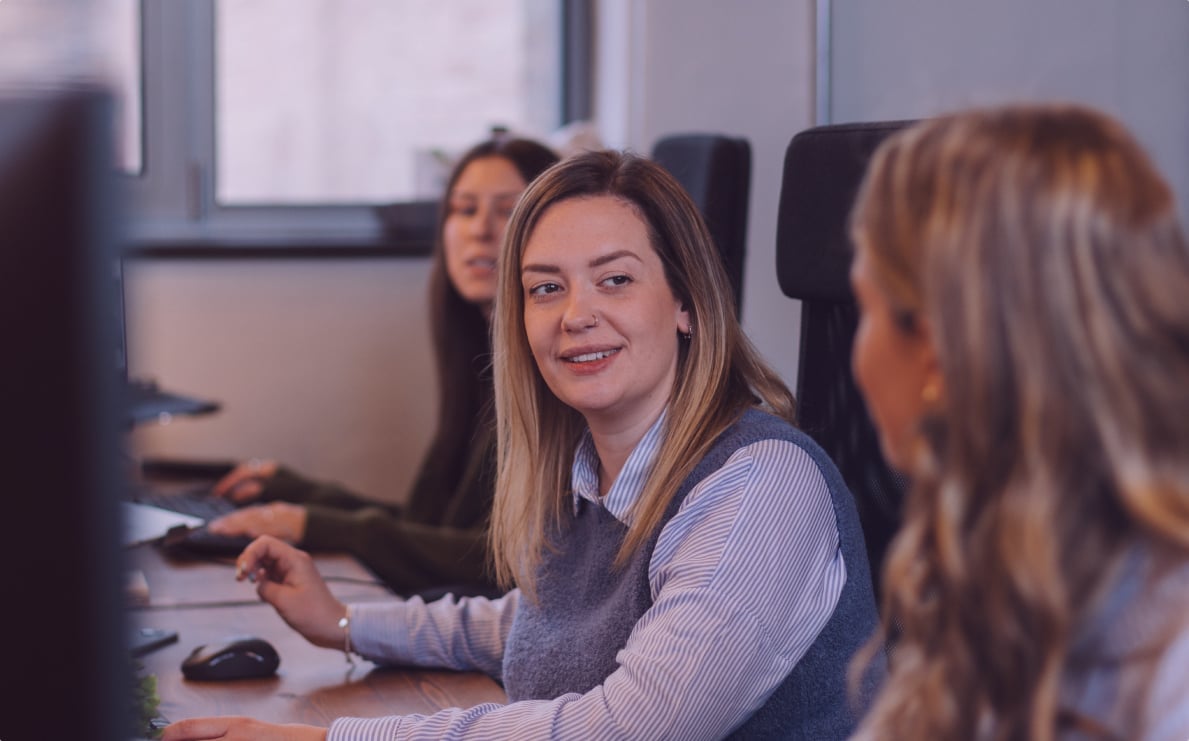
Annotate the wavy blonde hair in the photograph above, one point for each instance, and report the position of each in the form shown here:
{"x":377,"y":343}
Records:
{"x":1043,"y":251}
{"x":719,"y":373}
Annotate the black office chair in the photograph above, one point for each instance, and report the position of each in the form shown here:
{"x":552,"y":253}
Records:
{"x":823,"y":168}
{"x":716,"y":171}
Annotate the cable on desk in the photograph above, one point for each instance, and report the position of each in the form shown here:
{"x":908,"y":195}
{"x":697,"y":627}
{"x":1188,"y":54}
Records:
{"x":354,"y":580}
{"x":230,"y":563}
{"x":186,"y":604}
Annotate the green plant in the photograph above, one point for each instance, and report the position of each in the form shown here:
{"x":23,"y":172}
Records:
{"x":144,"y":703}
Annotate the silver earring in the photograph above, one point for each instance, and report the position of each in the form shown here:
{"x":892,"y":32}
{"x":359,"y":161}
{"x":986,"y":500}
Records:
{"x":689,"y":334}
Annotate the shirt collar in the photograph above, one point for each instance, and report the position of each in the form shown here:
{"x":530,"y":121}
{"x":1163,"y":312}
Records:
{"x":584,"y":474}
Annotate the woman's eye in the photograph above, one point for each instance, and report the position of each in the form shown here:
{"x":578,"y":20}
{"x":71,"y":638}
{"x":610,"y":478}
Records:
{"x":618,"y":280}
{"x":467,"y":211}
{"x":543,"y":289}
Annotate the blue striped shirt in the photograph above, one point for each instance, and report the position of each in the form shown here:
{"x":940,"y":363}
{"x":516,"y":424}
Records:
{"x":751,"y":559}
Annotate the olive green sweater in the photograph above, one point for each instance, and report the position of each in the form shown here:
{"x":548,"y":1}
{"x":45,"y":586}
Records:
{"x":438,"y":539}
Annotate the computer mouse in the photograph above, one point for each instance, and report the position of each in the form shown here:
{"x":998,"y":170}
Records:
{"x":182,"y":541}
{"x":236,"y":658}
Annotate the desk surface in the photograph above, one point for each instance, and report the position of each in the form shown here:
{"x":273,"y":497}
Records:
{"x":203,"y":603}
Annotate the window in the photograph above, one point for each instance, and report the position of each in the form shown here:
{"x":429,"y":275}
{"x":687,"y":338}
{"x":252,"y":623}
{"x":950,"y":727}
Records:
{"x":326,"y":101}
{"x":47,"y":43}
{"x":268,"y":120}
{"x":121,"y":21}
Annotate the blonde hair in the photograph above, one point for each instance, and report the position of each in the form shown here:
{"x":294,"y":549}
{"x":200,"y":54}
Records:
{"x":719,"y":374}
{"x":1042,"y":249}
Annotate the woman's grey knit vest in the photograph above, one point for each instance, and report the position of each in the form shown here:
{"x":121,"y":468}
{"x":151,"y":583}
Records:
{"x":568,"y":641}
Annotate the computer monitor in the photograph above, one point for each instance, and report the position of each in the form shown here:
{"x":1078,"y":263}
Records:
{"x":143,"y":400}
{"x":59,"y":532}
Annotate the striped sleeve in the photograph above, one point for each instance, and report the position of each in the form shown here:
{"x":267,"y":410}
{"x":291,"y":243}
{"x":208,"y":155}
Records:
{"x":744,"y":577}
{"x":467,"y":635}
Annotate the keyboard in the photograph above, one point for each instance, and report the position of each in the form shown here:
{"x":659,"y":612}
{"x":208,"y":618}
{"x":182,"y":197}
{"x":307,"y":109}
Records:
{"x":196,"y":501}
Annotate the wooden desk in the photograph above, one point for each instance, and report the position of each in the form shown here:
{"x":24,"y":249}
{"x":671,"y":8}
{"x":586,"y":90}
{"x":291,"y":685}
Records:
{"x":203,"y":603}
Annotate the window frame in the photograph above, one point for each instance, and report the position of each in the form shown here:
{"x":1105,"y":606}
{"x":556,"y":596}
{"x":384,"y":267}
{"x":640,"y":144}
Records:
{"x":175,"y":208}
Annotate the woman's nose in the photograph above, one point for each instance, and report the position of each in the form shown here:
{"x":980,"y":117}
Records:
{"x":579,"y":315}
{"x":483,"y":225}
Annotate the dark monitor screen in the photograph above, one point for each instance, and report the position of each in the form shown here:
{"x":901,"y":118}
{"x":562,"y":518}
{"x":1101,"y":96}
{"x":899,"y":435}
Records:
{"x":142,"y":400}
{"x":63,"y":671}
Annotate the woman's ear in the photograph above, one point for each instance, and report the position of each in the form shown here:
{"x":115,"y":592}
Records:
{"x":684,"y":322}
{"x":932,"y":380}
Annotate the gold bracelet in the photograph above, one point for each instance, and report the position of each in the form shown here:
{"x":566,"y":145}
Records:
{"x":345,"y":624}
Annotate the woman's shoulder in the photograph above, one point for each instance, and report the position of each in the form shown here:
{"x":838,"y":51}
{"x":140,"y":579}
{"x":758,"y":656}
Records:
{"x":759,"y":424}
{"x":1145,"y":606}
{"x":1129,"y":665}
{"x":1166,"y":711}
{"x":756,"y":425}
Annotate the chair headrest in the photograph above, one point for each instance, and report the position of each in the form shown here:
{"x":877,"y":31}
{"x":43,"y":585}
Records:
{"x":823,"y":168}
{"x":715,"y":170}
{"x":701,"y":162}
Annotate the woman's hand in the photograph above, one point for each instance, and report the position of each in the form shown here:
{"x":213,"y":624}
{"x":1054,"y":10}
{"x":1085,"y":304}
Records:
{"x":278,"y":519}
{"x":246,"y":481}
{"x":287,"y":579}
{"x":239,"y":729}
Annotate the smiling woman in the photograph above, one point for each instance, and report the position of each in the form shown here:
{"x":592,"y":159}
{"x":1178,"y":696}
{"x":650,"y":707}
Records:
{"x":687,"y":563}
{"x":600,"y":317}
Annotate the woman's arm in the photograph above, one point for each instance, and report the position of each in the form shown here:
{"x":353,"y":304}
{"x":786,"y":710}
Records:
{"x":467,"y":634}
{"x":744,"y":578}
{"x":409,"y":556}
{"x":289,"y":486}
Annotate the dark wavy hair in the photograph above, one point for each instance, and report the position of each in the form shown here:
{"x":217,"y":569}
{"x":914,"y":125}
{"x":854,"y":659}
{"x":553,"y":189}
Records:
{"x":461,"y":336}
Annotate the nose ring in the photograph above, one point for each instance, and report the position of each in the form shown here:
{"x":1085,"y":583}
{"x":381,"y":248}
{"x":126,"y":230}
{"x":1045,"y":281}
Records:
{"x":596,"y":320}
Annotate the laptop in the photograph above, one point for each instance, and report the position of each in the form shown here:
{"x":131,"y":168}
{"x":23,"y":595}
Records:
{"x":173,"y":515}
{"x":144,"y":523}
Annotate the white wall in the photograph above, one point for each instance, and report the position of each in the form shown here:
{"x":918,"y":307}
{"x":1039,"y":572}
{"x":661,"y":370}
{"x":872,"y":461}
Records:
{"x":914,"y":58}
{"x":743,"y":68}
{"x":323,"y":364}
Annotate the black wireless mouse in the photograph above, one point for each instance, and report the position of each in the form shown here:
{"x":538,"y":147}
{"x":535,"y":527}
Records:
{"x":235,"y":658}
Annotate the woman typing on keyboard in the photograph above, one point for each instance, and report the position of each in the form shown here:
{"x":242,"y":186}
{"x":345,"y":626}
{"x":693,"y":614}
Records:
{"x":439,"y":537}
